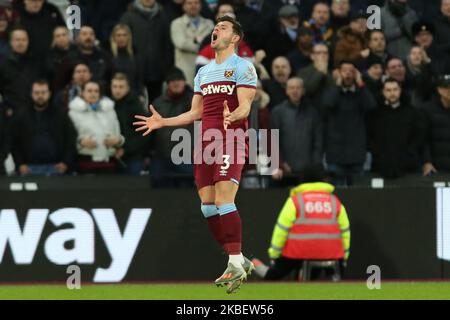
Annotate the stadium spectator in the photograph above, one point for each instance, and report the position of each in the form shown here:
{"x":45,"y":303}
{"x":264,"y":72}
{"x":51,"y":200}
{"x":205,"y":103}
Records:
{"x":206,"y":53}
{"x":316,"y":77}
{"x":301,"y":137}
{"x":396,"y":134}
{"x":437,"y":111}
{"x":88,"y":52}
{"x":187,"y":33}
{"x":256,"y":27}
{"x":276,"y":87}
{"x":151,"y":36}
{"x":80,"y":76}
{"x":376,"y":49}
{"x":419,"y":75}
{"x":60,"y":48}
{"x":373,"y":76}
{"x":300,"y":57}
{"x":427,"y":10}
{"x":42,"y":138}
{"x":340,"y":14}
{"x":95,"y":57}
{"x":127,"y":105}
{"x":304,"y":7}
{"x":62,"y":5}
{"x":98,"y":130}
{"x":124,"y":58}
{"x":18,"y":71}
{"x":102,"y":16}
{"x":283,"y":38}
{"x":319,"y":22}
{"x":176,"y":100}
{"x":174,"y":8}
{"x":397,"y":19}
{"x":395,"y":69}
{"x":312,"y":225}
{"x":351,"y":40}
{"x":4,"y":26}
{"x":346,"y":106}
{"x":362,"y":5}
{"x":11,"y":13}
{"x":442,"y":24}
{"x":4,"y":143}
{"x":423,"y":34}
{"x":39,"y":18}
{"x":259,"y":113}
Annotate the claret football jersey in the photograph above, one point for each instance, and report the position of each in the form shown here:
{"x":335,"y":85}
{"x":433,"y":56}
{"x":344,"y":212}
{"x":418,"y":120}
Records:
{"x":219,"y":82}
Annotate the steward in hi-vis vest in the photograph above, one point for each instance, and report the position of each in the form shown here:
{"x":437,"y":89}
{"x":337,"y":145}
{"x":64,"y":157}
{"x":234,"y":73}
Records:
{"x":313,"y":225}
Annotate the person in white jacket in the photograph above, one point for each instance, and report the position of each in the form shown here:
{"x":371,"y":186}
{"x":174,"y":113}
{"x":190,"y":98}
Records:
{"x":98,"y":129}
{"x":187,"y":33}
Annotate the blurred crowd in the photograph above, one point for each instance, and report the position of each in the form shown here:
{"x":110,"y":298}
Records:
{"x":344,"y":92}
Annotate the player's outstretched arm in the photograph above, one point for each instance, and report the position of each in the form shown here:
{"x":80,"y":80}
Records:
{"x":156,"y":121}
{"x":245,"y":99}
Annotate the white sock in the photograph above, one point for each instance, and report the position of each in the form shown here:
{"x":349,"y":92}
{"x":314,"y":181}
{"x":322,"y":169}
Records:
{"x":236,"y":260}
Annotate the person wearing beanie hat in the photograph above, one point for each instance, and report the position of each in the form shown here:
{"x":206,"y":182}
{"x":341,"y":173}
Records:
{"x":373,"y":75}
{"x":174,"y":75}
{"x":282,"y":39}
{"x":423,"y":34}
{"x":300,"y":56}
{"x":174,"y":101}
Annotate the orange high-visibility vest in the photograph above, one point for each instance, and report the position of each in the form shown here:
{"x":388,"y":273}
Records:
{"x":316,"y":234}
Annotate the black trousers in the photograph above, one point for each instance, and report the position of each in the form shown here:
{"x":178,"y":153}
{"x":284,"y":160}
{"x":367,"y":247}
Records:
{"x":284,"y":267}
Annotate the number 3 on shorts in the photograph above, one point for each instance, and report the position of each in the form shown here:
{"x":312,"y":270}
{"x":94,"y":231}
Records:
{"x":226,"y":161}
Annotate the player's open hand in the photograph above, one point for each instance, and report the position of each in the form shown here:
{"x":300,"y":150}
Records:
{"x":154,"y":122}
{"x":227,"y":118}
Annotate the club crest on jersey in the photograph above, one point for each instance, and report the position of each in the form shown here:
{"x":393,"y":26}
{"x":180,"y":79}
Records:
{"x":215,"y":89}
{"x":228,"y":73}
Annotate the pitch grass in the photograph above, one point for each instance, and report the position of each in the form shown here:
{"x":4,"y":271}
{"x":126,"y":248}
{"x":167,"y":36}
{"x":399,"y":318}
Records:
{"x":250,"y":291}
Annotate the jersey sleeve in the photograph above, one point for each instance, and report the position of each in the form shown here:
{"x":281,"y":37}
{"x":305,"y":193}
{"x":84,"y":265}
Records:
{"x":246,"y":75}
{"x":197,"y":89}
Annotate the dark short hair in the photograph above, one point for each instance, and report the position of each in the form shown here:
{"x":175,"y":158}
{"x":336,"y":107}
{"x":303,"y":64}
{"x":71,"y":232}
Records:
{"x":321,"y":2}
{"x":371,"y":32}
{"x":391,"y":80}
{"x":77,"y":63}
{"x":341,"y":63}
{"x":394,"y":58}
{"x":17,"y":28}
{"x":41,"y":82}
{"x":237,"y":28}
{"x":120,"y":77}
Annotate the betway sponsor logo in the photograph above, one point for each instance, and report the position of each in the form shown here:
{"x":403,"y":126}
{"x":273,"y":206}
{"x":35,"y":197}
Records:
{"x":121,"y":247}
{"x":218,"y":88}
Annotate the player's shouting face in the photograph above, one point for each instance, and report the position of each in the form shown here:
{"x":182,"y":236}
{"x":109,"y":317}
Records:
{"x":223,"y":36}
